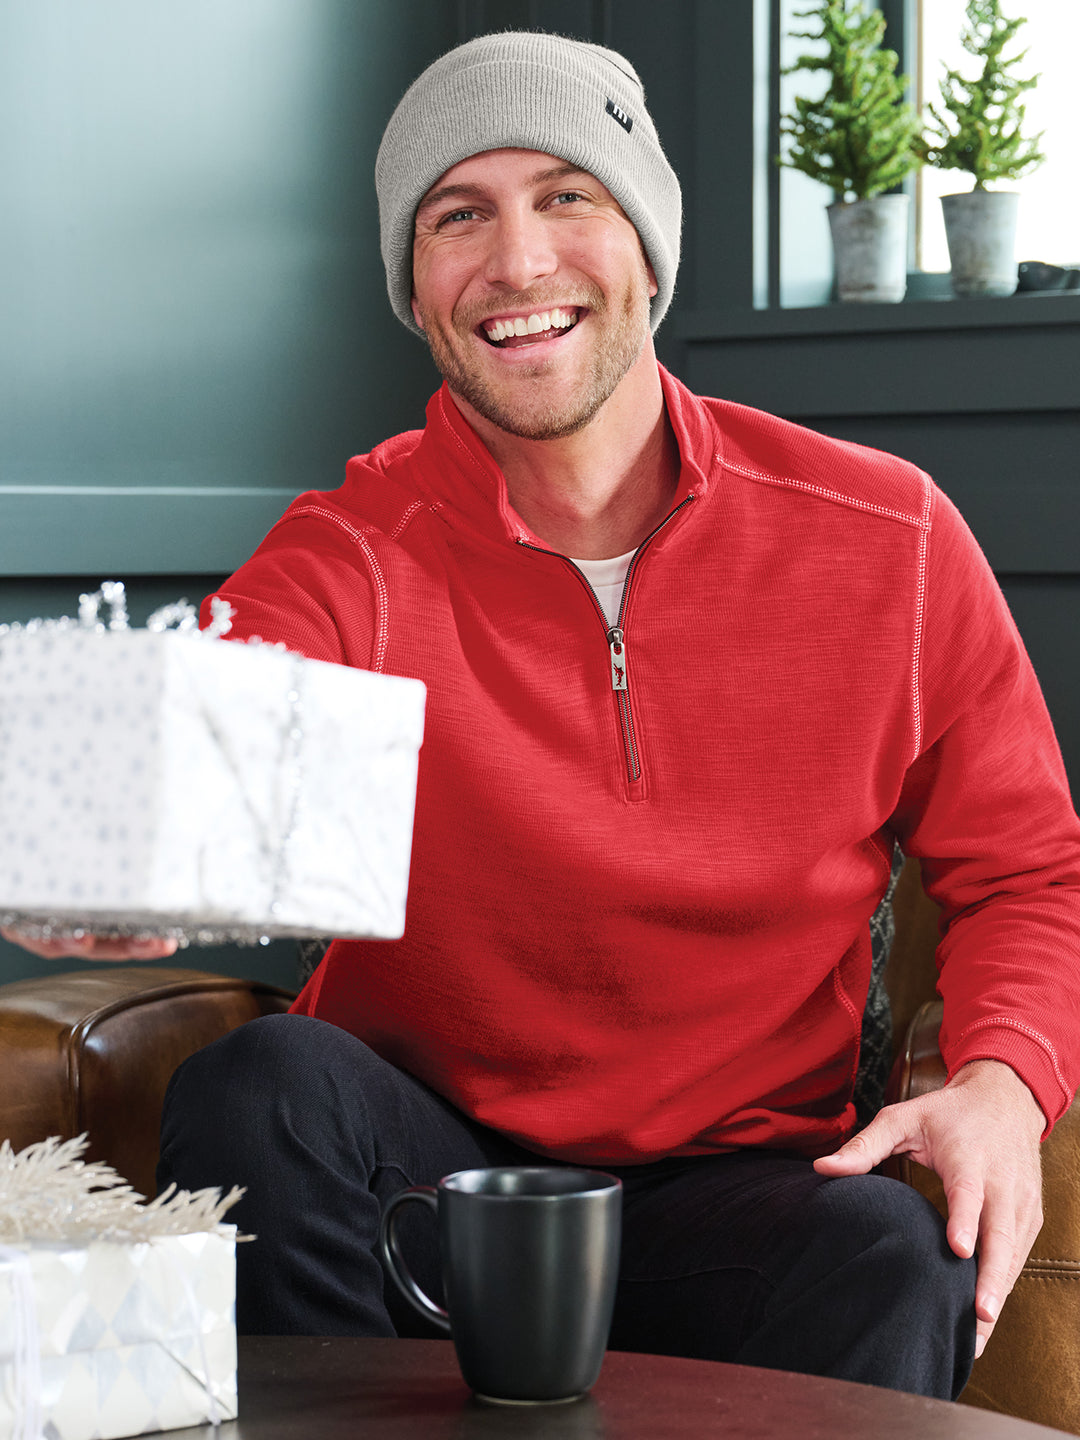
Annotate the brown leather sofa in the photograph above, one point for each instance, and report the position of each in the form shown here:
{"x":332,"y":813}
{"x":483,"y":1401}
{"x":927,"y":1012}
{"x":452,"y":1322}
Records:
{"x":93,"y":1051}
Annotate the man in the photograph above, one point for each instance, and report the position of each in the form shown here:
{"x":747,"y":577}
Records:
{"x":690,"y":671}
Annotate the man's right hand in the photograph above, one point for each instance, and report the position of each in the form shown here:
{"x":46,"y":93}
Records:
{"x":92,"y":947}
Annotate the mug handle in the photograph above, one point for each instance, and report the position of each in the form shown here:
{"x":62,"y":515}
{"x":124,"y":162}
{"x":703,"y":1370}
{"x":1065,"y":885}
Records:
{"x":394,"y":1260}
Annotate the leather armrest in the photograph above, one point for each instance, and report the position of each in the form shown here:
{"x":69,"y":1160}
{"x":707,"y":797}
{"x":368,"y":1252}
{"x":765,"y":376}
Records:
{"x":94,"y":1051}
{"x":1031,"y":1365}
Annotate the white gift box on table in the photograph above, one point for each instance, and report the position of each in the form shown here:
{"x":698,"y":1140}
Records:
{"x":117,"y":1317}
{"x":168,"y":782}
{"x":104,"y":1339}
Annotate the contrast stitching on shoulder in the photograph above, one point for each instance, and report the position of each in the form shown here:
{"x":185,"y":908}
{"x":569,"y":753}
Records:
{"x":378,"y":580}
{"x":994,"y":1022}
{"x":788,"y":481}
{"x":919,"y":522}
{"x":406,"y":517}
{"x":920,"y":616}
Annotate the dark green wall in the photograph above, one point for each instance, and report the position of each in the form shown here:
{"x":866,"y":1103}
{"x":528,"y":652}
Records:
{"x":195,"y":325}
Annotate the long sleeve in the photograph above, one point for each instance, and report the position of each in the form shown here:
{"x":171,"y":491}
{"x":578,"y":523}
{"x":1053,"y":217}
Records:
{"x":986,"y":807}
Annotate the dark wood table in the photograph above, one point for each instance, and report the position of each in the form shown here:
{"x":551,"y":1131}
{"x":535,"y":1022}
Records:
{"x":344,"y":1389}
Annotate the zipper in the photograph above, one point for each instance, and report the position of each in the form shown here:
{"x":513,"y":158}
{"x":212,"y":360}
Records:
{"x":617,"y":645}
{"x":616,"y":639}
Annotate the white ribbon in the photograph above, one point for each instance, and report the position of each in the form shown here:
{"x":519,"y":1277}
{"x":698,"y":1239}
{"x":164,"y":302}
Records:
{"x":213,"y":1414}
{"x":27,"y":1357}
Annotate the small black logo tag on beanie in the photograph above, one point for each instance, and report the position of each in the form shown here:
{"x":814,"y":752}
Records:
{"x":620,"y":115}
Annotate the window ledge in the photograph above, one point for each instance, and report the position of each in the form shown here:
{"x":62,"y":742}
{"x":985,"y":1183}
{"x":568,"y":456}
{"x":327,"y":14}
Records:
{"x":1037,"y":308}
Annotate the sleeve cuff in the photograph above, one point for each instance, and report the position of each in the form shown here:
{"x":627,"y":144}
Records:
{"x":1031,"y":1055}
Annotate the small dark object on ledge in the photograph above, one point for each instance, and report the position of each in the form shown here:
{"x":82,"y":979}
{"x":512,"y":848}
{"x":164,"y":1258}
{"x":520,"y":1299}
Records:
{"x":1035,"y":275}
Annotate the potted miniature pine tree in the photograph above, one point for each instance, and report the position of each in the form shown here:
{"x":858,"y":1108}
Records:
{"x":979,"y":128}
{"x":858,"y":139}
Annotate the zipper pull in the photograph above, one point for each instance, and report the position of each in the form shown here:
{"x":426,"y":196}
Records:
{"x":618,"y":658}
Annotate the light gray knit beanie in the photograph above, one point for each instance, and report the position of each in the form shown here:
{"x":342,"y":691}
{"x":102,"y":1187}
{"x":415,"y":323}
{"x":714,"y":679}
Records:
{"x":530,"y":91}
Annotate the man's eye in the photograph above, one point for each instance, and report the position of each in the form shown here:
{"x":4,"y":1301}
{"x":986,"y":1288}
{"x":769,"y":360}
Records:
{"x":457,"y":216}
{"x":568,"y":197}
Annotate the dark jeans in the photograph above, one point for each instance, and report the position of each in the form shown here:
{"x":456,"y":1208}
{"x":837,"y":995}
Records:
{"x":748,"y":1257}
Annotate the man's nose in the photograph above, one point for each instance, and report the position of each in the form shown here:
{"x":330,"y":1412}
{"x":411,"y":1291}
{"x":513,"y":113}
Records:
{"x":520,"y":251}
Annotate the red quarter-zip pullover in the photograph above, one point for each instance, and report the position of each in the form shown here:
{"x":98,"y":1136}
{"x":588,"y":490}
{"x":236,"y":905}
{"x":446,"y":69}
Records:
{"x":645,"y":855}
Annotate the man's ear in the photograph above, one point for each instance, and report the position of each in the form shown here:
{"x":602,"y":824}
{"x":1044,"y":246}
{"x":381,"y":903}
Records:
{"x":416,"y":310}
{"x":653,"y":286}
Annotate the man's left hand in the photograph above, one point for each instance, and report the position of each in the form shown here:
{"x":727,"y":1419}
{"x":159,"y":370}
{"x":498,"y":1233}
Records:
{"x":981,"y":1135}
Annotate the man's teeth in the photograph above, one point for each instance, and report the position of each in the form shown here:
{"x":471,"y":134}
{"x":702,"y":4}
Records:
{"x":534,"y":324}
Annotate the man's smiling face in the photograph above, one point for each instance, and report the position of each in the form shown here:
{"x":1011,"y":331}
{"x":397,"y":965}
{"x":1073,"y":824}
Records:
{"x":532,"y":288}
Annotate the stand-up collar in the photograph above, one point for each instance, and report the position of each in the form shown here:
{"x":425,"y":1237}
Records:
{"x":461,"y":475}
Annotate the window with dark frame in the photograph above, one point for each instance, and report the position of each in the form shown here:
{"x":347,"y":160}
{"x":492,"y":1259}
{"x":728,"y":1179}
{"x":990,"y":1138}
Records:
{"x":1048,"y":228}
{"x":793,"y":264}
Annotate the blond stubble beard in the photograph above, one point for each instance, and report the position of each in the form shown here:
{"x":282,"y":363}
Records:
{"x":530,"y":416}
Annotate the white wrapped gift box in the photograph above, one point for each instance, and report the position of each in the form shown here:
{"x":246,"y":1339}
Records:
{"x":106,"y":1339}
{"x":170,"y":782}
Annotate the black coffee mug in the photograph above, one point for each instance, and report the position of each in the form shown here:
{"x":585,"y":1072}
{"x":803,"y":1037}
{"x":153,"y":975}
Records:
{"x":530,"y":1261}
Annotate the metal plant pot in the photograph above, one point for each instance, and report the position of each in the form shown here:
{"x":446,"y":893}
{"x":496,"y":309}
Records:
{"x":870,"y":248}
{"x":980,"y":227}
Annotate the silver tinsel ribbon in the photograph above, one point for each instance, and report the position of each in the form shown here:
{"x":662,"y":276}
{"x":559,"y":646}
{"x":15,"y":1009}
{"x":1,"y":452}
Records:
{"x":177,"y":615}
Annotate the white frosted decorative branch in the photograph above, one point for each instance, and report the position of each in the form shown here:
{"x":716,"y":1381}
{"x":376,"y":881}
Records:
{"x":48,"y":1192}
